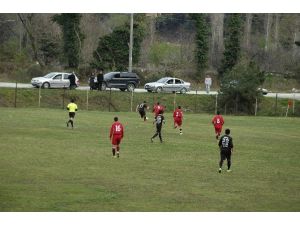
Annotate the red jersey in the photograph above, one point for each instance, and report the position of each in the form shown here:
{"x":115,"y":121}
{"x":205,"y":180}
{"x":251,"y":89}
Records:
{"x":157,"y":109}
{"x":177,"y":114}
{"x":116,"y":129}
{"x":218,"y":121}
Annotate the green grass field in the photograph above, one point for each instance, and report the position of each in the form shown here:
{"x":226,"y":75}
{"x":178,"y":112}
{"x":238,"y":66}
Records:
{"x":46,"y":167}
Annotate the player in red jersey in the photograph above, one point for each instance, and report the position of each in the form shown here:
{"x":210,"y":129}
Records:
{"x":116,"y":135}
{"x":157,"y":108}
{"x":178,"y":116}
{"x":218,"y":122}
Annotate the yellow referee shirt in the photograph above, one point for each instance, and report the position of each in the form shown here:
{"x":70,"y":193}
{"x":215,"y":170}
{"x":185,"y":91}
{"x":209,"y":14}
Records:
{"x":72,"y":107}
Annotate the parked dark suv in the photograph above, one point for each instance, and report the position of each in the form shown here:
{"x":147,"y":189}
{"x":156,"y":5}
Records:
{"x":121,"y":80}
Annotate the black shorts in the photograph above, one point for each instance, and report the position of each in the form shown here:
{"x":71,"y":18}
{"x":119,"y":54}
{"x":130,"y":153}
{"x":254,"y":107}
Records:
{"x":225,"y":154}
{"x":71,"y":114}
{"x":142,"y":113}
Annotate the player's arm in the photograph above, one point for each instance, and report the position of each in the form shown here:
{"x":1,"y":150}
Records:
{"x":76,"y":108}
{"x":231,"y":144}
{"x":220,"y":142}
{"x":111,"y":132}
{"x":136,"y":109}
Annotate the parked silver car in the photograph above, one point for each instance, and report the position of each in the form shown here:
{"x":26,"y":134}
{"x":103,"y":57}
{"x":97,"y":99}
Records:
{"x":53,"y":80}
{"x":168,"y":84}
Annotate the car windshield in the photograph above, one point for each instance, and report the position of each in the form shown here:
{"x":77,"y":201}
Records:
{"x":50,"y":75}
{"x":162,"y":80}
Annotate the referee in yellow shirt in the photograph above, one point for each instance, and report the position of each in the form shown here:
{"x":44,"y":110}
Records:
{"x":72,"y":107}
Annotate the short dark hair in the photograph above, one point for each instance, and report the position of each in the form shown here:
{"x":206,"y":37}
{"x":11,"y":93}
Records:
{"x":157,"y":103}
{"x":227,"y":131}
{"x":116,"y":118}
{"x":145,"y":102}
{"x":72,"y":100}
{"x":218,"y":112}
{"x":179,"y":107}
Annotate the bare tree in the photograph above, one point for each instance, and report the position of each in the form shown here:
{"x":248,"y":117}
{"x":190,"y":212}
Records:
{"x":217,"y":40}
{"x":27,"y":24}
{"x":247,"y":35}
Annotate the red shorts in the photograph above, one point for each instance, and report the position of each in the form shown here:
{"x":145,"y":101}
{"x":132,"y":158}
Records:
{"x":178,"y":122}
{"x":116,"y":139}
{"x":218,"y":130}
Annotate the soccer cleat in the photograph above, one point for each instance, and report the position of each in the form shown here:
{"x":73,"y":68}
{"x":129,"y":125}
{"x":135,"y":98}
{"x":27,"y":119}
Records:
{"x":118,"y":154}
{"x":228,"y":171}
{"x":67,"y":124}
{"x":151,"y":140}
{"x":217,"y":137}
{"x":220,"y":170}
{"x":180,"y":133}
{"x":114,"y":156}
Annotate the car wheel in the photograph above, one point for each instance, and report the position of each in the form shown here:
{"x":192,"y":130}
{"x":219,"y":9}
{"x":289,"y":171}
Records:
{"x":159,"y":89}
{"x":130,"y":87}
{"x":149,"y":91}
{"x":103,"y":86}
{"x":183,"y":91}
{"x":122,"y":89}
{"x":46,"y":85}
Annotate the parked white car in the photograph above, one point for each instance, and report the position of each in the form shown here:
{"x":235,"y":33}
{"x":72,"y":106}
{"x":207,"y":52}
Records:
{"x":168,"y":84}
{"x":54,"y":80}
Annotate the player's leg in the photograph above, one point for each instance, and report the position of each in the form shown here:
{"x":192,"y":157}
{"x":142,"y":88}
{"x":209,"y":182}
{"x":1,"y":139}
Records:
{"x":217,"y":130}
{"x":118,"y":146}
{"x":179,"y":125}
{"x":114,"y":150}
{"x":222,"y":158}
{"x":114,"y":146}
{"x":159,"y":134}
{"x":175,"y":124}
{"x":228,"y":156}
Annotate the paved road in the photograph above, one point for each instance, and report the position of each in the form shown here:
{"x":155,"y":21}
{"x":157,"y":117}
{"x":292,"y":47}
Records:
{"x":140,"y":90}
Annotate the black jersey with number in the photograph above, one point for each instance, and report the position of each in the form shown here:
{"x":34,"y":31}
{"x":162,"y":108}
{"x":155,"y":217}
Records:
{"x":159,"y":120}
{"x":225,"y":143}
{"x":142,"y":107}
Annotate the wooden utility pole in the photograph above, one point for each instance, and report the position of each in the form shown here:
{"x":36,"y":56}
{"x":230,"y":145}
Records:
{"x":130,"y":43}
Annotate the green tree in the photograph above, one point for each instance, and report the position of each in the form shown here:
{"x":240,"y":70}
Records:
{"x":50,"y":48}
{"x":239,"y":88}
{"x":113,"y":50}
{"x":72,"y":37}
{"x":202,"y":32}
{"x":232,"y":43}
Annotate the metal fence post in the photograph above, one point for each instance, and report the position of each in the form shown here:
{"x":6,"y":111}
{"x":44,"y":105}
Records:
{"x":16,"y":92}
{"x":276,"y":98}
{"x":40,"y":96}
{"x":255,"y":107}
{"x":87,"y":99}
{"x":216,"y":109}
{"x":63,"y":102}
{"x":109,"y":100}
{"x":131,"y":100}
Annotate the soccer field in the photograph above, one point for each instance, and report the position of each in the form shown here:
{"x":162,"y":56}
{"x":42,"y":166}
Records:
{"x":44,"y":166}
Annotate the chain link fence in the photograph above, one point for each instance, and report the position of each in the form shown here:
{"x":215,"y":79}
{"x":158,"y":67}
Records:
{"x":117,"y":101}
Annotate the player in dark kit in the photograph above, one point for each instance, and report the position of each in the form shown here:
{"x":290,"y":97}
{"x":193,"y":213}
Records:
{"x":226,"y":148}
{"x":141,"y":108}
{"x":116,"y":135}
{"x":159,"y":120}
